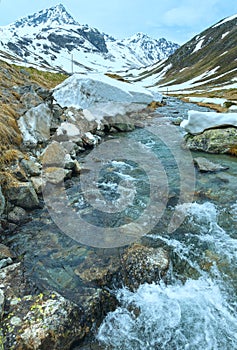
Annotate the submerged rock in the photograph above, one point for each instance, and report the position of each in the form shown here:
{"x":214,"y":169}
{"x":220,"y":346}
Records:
{"x":205,"y":165}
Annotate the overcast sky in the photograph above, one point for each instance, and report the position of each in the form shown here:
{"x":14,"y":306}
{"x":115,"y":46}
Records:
{"x":176,"y":20}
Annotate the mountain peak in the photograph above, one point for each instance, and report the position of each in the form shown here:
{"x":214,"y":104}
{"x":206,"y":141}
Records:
{"x":139,"y":36}
{"x":56,"y":14}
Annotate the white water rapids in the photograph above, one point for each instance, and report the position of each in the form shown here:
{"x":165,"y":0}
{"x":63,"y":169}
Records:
{"x":196,"y":314}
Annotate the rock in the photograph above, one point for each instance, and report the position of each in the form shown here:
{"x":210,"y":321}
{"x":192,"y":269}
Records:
{"x":121,"y":123}
{"x":69,"y":162}
{"x":2,"y":300}
{"x":50,"y":323}
{"x":90,"y":140}
{"x":177,"y":121}
{"x":77,"y":168}
{"x":200,"y":121}
{"x":38,"y":184}
{"x":205,"y":165}
{"x":35,"y":124}
{"x":54,"y":155}
{"x":46,"y":320}
{"x":30,"y":100}
{"x":5,"y":262}
{"x":17,"y":215}
{"x":138,"y":264}
{"x":43,"y":93}
{"x":56,"y":175}
{"x":2,"y":202}
{"x":5,"y":252}
{"x":22,"y":195}
{"x":214,"y":141}
{"x":143,"y":265}
{"x":31,"y":167}
{"x":68,"y":132}
{"x":228,"y":104}
{"x":71,"y":148}
{"x":19,"y":173}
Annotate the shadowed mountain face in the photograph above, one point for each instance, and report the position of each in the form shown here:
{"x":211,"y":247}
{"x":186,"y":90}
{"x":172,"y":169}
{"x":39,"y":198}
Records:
{"x":52,"y":37}
{"x":209,"y":59}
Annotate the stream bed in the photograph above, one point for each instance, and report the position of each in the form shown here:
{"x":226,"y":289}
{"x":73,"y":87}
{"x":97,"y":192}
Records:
{"x":194,"y":306}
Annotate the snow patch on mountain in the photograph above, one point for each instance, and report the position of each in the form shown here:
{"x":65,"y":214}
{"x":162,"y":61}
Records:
{"x":227,"y":19}
{"x":199,"y":45}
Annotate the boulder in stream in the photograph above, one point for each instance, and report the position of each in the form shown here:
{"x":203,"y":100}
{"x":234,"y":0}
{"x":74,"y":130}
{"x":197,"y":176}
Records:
{"x":136,"y":265}
{"x":214,"y":141}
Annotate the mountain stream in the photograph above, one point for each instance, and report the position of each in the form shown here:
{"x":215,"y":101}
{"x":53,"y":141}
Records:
{"x":194,"y":306}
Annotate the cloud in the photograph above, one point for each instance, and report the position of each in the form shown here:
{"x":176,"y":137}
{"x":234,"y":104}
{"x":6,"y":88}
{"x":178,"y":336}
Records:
{"x":189,"y":13}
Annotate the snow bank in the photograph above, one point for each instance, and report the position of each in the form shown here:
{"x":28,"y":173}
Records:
{"x":199,"y":121}
{"x":84,"y":91}
{"x":35,"y":124}
{"x":217,"y":101}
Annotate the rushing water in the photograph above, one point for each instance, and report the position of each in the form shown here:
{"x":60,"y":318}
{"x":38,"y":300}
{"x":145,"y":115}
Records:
{"x":194,"y":306}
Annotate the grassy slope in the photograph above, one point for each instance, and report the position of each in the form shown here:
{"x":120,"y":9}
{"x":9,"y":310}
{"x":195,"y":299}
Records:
{"x":10,"y":76}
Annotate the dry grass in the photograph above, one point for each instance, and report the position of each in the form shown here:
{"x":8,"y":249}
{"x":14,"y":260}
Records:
{"x":155,"y":104}
{"x":233,"y":151}
{"x":10,"y":77}
{"x":117,"y":77}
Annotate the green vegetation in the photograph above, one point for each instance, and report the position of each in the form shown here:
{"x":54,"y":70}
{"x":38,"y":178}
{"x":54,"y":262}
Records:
{"x":45,"y":79}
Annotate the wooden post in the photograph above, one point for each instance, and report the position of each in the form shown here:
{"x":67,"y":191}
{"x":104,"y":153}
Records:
{"x":72,"y":62}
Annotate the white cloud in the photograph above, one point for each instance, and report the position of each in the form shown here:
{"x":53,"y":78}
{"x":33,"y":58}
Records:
{"x":190,"y":12}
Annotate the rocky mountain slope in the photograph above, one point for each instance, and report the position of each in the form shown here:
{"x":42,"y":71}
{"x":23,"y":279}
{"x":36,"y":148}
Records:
{"x":206,"y":61}
{"x":52,"y":38}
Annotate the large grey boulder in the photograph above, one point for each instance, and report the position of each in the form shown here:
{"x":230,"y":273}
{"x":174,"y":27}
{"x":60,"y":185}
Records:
{"x":200,"y":121}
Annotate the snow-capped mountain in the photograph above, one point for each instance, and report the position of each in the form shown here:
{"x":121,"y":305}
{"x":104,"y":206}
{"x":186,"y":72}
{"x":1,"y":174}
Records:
{"x":52,"y":38}
{"x":141,"y":48}
{"x":208,"y":60}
